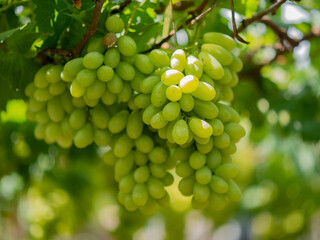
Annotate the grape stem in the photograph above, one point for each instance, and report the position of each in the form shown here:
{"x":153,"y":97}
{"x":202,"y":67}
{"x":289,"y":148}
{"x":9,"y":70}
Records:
{"x":234,"y":26}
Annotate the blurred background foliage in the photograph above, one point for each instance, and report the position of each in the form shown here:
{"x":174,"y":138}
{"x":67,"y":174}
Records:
{"x":52,"y":193}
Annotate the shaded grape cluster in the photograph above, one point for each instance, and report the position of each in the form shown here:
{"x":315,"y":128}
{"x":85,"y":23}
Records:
{"x":153,"y":113}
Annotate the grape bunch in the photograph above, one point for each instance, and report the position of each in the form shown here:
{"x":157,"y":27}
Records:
{"x":153,"y":113}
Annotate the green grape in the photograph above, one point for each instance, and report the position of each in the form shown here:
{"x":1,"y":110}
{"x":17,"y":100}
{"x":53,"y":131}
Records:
{"x":194,"y":67}
{"x":220,"y":53}
{"x":182,"y":154}
{"x":235,"y":117}
{"x":115,"y":85}
{"x":148,"y":84}
{"x":171,"y":111}
{"x":170,"y":127}
{"x":186,"y":186}
{"x":31,"y":116}
{"x":42,"y":116}
{"x":157,"y":121}
{"x":143,"y":63}
{"x":158,"y":155}
{"x":135,"y":125}
{"x":95,"y":45}
{"x":140,"y":194}
{"x":218,"y":185}
{"x":231,"y":149}
{"x":55,"y":110}
{"x":112,"y":57}
{"x":108,"y":98}
{"x":86,"y":77}
{"x":40,"y":80}
{"x":197,"y":160}
{"x":90,"y":102}
{"x":158,"y":170}
{"x":126,"y":183}
{"x":205,"y":109}
{"x":125,"y":71}
{"x":183,"y":169}
{"x":168,"y":179}
{"x":114,"y":24}
{"x":227,"y":94}
{"x":214,"y":159}
{"x":53,"y":73}
{"x":155,"y":188}
{"x":224,"y":113}
{"x":132,"y":106}
{"x":135,"y":83}
{"x":140,"y":158}
{"x":35,"y":105}
{"x":118,"y":122}
{"x":189,"y":84}
{"x":57,"y":88}
{"x":227,"y":78}
{"x":171,"y":77}
{"x":121,"y":197}
{"x":186,"y":102}
{"x":142,"y":101}
{"x":66,"y":129}
{"x":164,"y":201}
{"x":96,"y":90}
{"x":235,"y":131}
{"x":158,"y":95}
{"x":77,"y":118}
{"x":217,"y":202}
{"x":127,"y":46}
{"x":221,"y":39}
{"x":102,"y":137}
{"x":52,"y":132}
{"x":234,"y":80}
{"x":99,"y":116}
{"x":123,"y":166}
{"x":29,"y":90}
{"x":144,"y":144}
{"x":109,"y":158}
{"x":203,"y":175}
{"x":84,"y":136}
{"x":211,"y":66}
{"x":226,"y":158}
{"x":204,"y":92}
{"x":128,"y":59}
{"x":173,"y":93}
{"x":205,"y":148}
{"x":64,"y":142}
{"x":227,"y":171}
{"x":201,"y":140}
{"x":236,"y":65}
{"x":148,"y":113}
{"x":159,"y":58}
{"x":129,"y":204}
{"x":141,"y":174}
{"x":93,"y":60}
{"x":105,"y":73}
{"x":205,"y":78}
{"x":201,"y":193}
{"x":42,"y":94}
{"x":198,"y":205}
{"x":180,"y":132}
{"x":72,"y":67}
{"x":222,"y":141}
{"x":217,"y":126}
{"x":78,"y":102}
{"x":149,"y":207}
{"x":40,"y":131}
{"x":200,"y":127}
{"x":178,"y":60}
{"x":65,"y":77}
{"x":77,"y":90}
{"x":162,"y":132}
{"x":122,"y":146}
{"x":234,"y":192}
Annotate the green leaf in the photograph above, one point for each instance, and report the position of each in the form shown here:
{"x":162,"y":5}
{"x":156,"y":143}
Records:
{"x":251,"y":7}
{"x":6,"y":34}
{"x":45,"y":13}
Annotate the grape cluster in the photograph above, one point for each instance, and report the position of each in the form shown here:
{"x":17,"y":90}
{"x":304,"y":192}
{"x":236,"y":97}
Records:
{"x":152,"y":112}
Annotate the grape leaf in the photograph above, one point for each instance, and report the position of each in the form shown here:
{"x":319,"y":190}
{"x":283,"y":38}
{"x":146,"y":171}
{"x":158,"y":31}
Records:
{"x":45,"y":13}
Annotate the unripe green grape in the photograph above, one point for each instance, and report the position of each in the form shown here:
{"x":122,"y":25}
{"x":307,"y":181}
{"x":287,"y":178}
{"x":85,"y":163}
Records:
{"x":173,"y":93}
{"x":203,"y":175}
{"x":40,"y":80}
{"x":227,"y":78}
{"x":148,"y":84}
{"x":180,"y":132}
{"x":227,"y":171}
{"x":109,"y":158}
{"x":127,"y":46}
{"x":99,"y":116}
{"x":114,"y":24}
{"x":227,"y":94}
{"x":143,"y":63}
{"x":194,"y":67}
{"x":55,"y":110}
{"x":53,"y":73}
{"x":178,"y":60}
{"x":217,"y":202}
{"x":140,"y":194}
{"x":236,"y":65}
{"x":158,"y":95}
{"x":235,"y":131}
{"x":115,"y":85}
{"x":158,"y":170}
{"x":123,"y":166}
{"x":168,"y":179}
{"x":118,"y":122}
{"x":109,"y":40}
{"x":200,"y":127}
{"x":155,"y":188}
{"x":171,"y":77}
{"x":112,"y":57}
{"x":157,"y":121}
{"x":57,"y":88}
{"x":186,"y":102}
{"x":159,"y":58}
{"x":211,"y":65}
{"x":214,"y":159}
{"x":149,"y":207}
{"x":52,"y":132}
{"x":186,"y":186}
{"x":35,"y":105}
{"x":95,"y":45}
{"x":204,"y":92}
{"x":72,"y":67}
{"x":218,"y":184}
{"x":42,"y":116}
{"x":105,"y":73}
{"x":140,"y":158}
{"x":234,"y":192}
{"x":183,"y":169}
{"x":224,"y":56}
{"x":125,"y":71}
{"x":42,"y":94}
{"x":222,"y":141}
{"x":90,"y":102}
{"x":126,"y":183}
{"x":197,"y":160}
{"x":129,"y":204}
{"x":142,"y":101}
{"x":171,"y":111}
{"x":148,"y":113}
{"x":122,"y":146}
{"x":201,"y":193}
{"x":86,"y":77}
{"x":198,"y":205}
{"x":40,"y":131}
{"x":93,"y":60}
{"x":77,"y":118}
{"x":141,"y":174}
{"x":205,"y":109}
{"x":84,"y":136}
{"x":205,"y":148}
{"x":144,"y":144}
{"x":102,"y":137}
{"x":158,"y":155}
{"x":231,"y":149}
{"x":221,"y":39}
{"x":217,"y":126}
{"x":189,"y":84}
